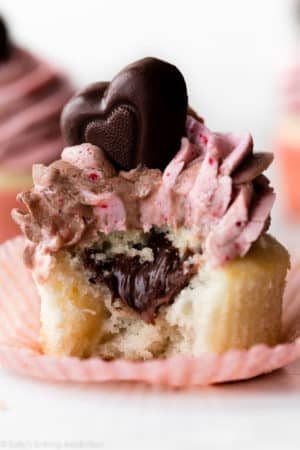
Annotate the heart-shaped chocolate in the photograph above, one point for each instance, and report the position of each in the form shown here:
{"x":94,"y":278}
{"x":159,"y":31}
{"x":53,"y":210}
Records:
{"x":137,"y":119}
{"x":5,"y":45}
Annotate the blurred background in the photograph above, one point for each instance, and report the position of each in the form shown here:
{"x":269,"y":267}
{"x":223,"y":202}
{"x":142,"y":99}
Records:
{"x":234,"y":54}
{"x":231,"y":52}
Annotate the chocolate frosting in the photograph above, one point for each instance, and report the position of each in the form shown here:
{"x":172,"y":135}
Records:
{"x":137,"y":119}
{"x":5,"y":44}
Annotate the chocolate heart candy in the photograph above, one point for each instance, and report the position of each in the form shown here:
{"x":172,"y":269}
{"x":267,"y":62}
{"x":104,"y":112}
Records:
{"x":137,"y":119}
{"x":5,"y":45}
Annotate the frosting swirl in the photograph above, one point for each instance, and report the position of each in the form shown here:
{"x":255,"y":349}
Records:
{"x":32,"y":95}
{"x":214,"y":186}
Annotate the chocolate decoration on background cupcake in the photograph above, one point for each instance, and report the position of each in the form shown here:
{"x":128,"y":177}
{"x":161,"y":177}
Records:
{"x":137,"y":119}
{"x":5,"y":44}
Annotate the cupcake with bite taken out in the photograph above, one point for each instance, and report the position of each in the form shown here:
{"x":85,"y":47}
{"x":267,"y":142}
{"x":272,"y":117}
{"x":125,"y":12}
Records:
{"x":32,"y":95}
{"x":148,"y":237}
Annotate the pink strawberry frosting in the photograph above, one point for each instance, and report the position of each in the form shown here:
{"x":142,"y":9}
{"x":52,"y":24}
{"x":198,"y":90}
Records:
{"x":32,"y":95}
{"x":214,"y":186}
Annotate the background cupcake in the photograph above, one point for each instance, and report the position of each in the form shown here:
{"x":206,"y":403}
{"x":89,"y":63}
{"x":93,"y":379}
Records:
{"x":288,"y":138}
{"x":32,"y":94}
{"x":288,"y":144}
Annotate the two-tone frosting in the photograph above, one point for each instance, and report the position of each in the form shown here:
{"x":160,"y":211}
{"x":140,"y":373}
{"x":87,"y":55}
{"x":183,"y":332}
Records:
{"x":214,"y":186}
{"x":144,"y":160}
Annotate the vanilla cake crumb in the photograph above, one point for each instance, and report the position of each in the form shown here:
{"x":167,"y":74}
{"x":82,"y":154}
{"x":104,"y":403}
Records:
{"x":236,"y":306}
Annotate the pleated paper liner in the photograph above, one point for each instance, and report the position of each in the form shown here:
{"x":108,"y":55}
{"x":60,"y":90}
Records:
{"x":20,"y":348}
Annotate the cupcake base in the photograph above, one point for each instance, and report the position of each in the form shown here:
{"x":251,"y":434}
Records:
{"x":20,"y":348}
{"x":231,"y":307}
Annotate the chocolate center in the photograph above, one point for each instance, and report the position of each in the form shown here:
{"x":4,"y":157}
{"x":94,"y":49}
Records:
{"x":142,"y":285}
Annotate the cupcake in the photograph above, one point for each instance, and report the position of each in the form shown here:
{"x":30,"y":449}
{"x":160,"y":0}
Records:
{"x":148,"y":237}
{"x":32,"y":95}
{"x":288,"y":140}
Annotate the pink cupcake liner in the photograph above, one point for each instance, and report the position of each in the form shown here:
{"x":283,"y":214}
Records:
{"x":20,"y":348}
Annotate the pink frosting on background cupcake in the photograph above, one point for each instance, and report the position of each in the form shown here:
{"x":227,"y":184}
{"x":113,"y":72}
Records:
{"x":32,"y":95}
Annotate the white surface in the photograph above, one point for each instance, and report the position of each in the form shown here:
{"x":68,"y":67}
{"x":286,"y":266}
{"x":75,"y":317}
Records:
{"x":261,"y":414}
{"x":231,"y":53}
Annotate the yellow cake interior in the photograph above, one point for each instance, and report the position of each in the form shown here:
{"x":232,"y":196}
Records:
{"x":235,"y":306}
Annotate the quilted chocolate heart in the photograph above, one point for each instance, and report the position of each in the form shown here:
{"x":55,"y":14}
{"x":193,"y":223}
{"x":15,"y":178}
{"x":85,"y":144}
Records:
{"x":138,"y":118}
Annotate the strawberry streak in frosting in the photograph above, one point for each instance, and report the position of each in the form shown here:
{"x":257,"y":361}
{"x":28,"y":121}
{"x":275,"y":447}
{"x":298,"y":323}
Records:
{"x":32,"y":95}
{"x":213,"y":186}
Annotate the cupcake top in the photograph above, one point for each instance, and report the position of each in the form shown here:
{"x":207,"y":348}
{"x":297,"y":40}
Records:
{"x":213,"y":183}
{"x":32,"y":95}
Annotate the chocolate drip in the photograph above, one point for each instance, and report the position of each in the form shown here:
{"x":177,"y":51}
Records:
{"x":143,"y":286}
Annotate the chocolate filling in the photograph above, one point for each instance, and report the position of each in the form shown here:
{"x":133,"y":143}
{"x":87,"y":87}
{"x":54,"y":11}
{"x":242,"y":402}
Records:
{"x":142,"y":285}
